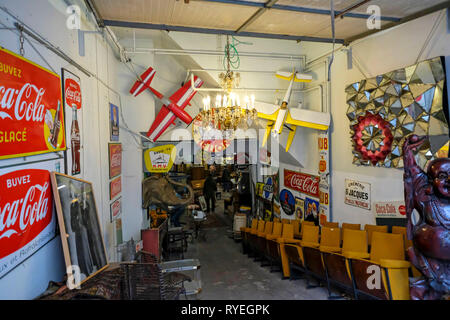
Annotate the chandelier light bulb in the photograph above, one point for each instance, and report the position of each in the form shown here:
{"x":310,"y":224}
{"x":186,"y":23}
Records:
{"x":238,"y":102}
{"x":225,"y":100}
{"x":253,"y":100}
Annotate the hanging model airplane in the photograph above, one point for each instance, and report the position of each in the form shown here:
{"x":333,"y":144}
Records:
{"x":173,"y":107}
{"x":283,"y":116}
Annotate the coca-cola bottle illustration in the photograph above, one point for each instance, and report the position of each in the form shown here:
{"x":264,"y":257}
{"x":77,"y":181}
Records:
{"x":75,"y":141}
{"x":56,"y":127}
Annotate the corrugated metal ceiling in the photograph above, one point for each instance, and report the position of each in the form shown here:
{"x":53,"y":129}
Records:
{"x":226,"y":15}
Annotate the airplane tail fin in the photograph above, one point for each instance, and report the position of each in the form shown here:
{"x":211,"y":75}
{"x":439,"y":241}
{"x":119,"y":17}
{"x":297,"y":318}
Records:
{"x":143,"y":83}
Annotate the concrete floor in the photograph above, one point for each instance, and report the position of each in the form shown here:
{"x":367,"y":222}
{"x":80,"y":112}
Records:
{"x":227,"y":274}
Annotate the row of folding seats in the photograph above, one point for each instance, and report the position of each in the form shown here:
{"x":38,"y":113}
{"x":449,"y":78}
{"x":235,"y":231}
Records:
{"x":367,"y":263}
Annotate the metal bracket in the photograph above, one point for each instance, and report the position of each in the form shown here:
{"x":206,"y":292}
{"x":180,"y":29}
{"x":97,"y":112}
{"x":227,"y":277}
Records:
{"x":81,"y":43}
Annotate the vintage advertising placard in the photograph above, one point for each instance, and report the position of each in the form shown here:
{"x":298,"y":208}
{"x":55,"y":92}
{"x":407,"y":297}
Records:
{"x":114,"y":122}
{"x":299,"y":209}
{"x":115,"y":188}
{"x":116,"y":209}
{"x":324,"y":174}
{"x":160,"y":159}
{"x":73,"y":115}
{"x":31,"y":113}
{"x":311,"y":210}
{"x":390,"y":209}
{"x":287,"y":202}
{"x":115,"y":159}
{"x":357,"y":194}
{"x":27,"y":221}
{"x":302,"y":182}
{"x":268,"y":189}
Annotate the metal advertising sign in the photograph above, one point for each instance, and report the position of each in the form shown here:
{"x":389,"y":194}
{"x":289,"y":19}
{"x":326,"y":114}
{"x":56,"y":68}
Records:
{"x":26,"y":215}
{"x":31,"y":113}
{"x":324,"y":174}
{"x":72,"y":103}
{"x":301,"y":182}
{"x":115,"y":159}
{"x":391,"y":209}
{"x":160,"y":159}
{"x":357,"y":194}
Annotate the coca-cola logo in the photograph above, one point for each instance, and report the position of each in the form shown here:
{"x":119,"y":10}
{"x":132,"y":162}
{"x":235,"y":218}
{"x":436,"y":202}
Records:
{"x":301,"y":182}
{"x":26,"y":204}
{"x":72,"y":93}
{"x":24,"y":104}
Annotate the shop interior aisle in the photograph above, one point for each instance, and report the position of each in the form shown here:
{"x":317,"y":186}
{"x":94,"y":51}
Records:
{"x":227,"y":274}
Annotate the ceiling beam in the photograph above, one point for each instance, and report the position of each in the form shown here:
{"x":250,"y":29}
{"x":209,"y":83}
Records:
{"x":417,"y":15}
{"x":140,"y":25}
{"x":300,"y":9}
{"x":351,"y":8}
{"x":256,"y":15}
{"x":94,"y":10}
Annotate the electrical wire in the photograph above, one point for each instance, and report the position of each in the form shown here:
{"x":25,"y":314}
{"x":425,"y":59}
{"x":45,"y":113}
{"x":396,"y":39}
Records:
{"x":231,"y":53}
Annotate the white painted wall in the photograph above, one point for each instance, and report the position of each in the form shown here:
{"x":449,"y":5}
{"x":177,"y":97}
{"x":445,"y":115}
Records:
{"x":31,"y":278}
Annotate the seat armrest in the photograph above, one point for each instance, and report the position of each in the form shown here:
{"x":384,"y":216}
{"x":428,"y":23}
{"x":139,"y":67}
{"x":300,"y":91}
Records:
{"x":309,"y":244}
{"x":261,"y":234}
{"x":394,"y":264}
{"x":330,"y":249}
{"x":355,"y":255}
{"x":288,"y":240}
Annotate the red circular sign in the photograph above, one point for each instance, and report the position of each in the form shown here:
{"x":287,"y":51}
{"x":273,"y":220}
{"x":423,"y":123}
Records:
{"x":402,"y":210}
{"x":72,"y":93}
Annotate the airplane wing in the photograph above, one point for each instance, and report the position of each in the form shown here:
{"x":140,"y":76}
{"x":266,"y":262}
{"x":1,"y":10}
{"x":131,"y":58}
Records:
{"x":308,"y":118}
{"x":166,"y":117}
{"x":266,"y":111}
{"x":143,"y":83}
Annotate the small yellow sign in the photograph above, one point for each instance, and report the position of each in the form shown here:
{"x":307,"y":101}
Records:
{"x":160,"y":159}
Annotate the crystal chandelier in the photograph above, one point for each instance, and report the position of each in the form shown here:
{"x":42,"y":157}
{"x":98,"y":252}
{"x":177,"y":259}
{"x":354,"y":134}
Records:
{"x":228,"y":113}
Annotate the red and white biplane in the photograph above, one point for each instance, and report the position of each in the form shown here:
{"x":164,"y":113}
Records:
{"x":173,"y":107}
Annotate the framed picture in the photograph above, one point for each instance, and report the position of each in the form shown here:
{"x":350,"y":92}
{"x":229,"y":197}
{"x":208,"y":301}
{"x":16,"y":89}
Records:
{"x":79,"y":224}
{"x":116,"y":209}
{"x":114,"y":122}
{"x":115,"y":188}
{"x":299,"y":209}
{"x":202,"y":201}
{"x":115,"y":159}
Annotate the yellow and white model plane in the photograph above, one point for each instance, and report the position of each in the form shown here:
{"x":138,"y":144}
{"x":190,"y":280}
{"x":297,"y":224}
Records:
{"x":280,"y":116}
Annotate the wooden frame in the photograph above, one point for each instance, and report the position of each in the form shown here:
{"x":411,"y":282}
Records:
{"x":62,"y":225}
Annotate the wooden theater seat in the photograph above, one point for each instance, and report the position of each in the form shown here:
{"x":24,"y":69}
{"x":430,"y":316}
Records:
{"x":388,"y":255}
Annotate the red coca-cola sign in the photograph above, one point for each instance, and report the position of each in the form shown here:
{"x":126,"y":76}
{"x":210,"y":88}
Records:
{"x":26,"y":209}
{"x":31,"y":117}
{"x":301,"y":182}
{"x":72,"y":93}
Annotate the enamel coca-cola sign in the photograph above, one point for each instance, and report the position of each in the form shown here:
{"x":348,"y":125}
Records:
{"x":301,"y":182}
{"x":72,"y":93}
{"x":31,"y":112}
{"x":26,"y":215}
